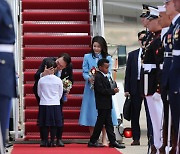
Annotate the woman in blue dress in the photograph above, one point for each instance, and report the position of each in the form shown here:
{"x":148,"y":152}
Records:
{"x":88,"y":113}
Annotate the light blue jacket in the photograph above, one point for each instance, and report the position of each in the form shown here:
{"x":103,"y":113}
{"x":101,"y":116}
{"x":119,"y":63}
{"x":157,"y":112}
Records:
{"x":88,"y":113}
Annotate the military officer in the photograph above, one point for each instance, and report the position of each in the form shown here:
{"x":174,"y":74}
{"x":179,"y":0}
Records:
{"x":168,"y":44}
{"x":174,"y":79}
{"x":7,"y":67}
{"x":152,"y":59}
{"x":145,"y":40}
{"x":177,"y":7}
{"x":164,"y":21}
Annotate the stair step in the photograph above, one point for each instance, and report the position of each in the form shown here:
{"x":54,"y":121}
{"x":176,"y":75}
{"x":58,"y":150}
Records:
{"x":56,"y":28}
{"x":73,"y":101}
{"x":35,"y":63}
{"x":29,"y":76}
{"x":29,"y":39}
{"x":55,"y":16}
{"x":55,"y":4}
{"x":68,"y":127}
{"x":77,"y":88}
{"x":66,"y":135}
{"x":54,"y":52}
{"x":68,"y":113}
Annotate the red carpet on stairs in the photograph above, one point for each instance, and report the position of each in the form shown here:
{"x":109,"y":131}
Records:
{"x":68,"y":149}
{"x":49,"y":28}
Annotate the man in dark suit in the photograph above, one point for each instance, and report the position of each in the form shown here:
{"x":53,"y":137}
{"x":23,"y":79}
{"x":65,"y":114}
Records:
{"x":64,"y":70}
{"x":132,"y":87}
{"x":103,"y":97}
{"x":7,"y":68}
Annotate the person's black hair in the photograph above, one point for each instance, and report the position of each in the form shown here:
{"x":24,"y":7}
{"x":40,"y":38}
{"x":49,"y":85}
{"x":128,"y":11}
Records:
{"x":102,"y":61}
{"x":103,"y":44}
{"x":66,"y":58}
{"x":141,"y":32}
{"x":51,"y":63}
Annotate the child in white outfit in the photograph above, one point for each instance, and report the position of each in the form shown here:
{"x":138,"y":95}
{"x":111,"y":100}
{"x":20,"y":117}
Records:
{"x":50,"y":90}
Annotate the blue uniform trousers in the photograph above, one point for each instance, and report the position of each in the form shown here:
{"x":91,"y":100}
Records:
{"x":175,"y":110}
{"x":5,"y":104}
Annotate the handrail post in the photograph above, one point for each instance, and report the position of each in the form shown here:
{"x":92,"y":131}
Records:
{"x":97,"y":17}
{"x":101,"y":17}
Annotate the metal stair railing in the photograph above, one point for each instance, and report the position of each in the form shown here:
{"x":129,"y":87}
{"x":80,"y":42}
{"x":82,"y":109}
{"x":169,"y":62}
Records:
{"x":97,"y":16}
{"x":16,"y":102}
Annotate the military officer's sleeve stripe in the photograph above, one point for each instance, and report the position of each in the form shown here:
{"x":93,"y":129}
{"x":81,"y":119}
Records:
{"x":176,"y":52}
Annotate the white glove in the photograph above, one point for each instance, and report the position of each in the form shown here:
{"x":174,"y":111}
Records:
{"x":156,"y":96}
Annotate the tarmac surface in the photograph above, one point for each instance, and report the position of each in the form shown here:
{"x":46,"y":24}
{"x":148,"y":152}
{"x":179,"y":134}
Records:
{"x":143,"y":148}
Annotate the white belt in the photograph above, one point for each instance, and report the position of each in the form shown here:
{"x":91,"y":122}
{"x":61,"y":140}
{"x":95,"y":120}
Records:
{"x":167,"y":54}
{"x":6,"y":48}
{"x":176,"y":53}
{"x":161,"y":66}
{"x":149,"y":67}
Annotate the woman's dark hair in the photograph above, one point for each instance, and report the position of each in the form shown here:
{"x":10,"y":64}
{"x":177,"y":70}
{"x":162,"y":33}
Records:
{"x":103,"y":44}
{"x":102,"y":61}
{"x":51,"y":63}
{"x":66,"y":58}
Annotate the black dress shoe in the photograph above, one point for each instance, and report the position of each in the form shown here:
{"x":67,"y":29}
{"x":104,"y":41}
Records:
{"x":51,"y":144}
{"x":59,"y":143}
{"x":116,"y":145}
{"x":96,"y":145}
{"x":44,"y":144}
{"x":135,"y":142}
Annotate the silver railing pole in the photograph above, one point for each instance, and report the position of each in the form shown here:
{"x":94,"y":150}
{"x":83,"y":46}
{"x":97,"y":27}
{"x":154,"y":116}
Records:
{"x":14,"y":5}
{"x":1,"y":142}
{"x":100,"y":17}
{"x":97,"y":17}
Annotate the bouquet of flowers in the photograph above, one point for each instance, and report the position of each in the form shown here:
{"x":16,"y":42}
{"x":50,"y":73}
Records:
{"x":67,"y":85}
{"x":92,"y":74}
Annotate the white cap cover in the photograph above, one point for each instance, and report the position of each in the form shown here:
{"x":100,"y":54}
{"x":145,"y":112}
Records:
{"x":161,"y":8}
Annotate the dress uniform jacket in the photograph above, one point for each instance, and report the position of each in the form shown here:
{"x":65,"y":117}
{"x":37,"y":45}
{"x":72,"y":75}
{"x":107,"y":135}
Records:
{"x":152,"y":59}
{"x":7,"y":39}
{"x":167,"y":57}
{"x":174,"y":78}
{"x":175,"y":67}
{"x":7,"y":66}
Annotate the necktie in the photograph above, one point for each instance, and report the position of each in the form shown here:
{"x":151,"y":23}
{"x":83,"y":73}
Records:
{"x":58,"y":74}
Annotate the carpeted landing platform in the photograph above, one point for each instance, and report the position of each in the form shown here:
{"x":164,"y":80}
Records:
{"x":68,"y":149}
